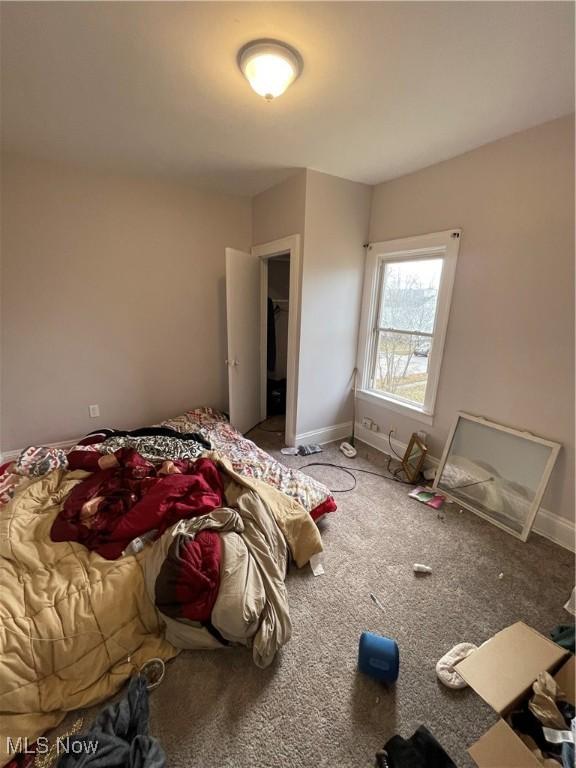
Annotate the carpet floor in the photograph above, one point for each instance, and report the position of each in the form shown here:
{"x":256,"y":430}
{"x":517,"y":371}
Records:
{"x":312,"y":707}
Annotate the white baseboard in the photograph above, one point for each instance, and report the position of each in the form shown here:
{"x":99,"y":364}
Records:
{"x":12,"y":455}
{"x":556,"y":528}
{"x":379,"y":440}
{"x":547,"y":524}
{"x":326,"y":435}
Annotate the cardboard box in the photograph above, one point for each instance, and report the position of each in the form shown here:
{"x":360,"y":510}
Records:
{"x":502,"y":672}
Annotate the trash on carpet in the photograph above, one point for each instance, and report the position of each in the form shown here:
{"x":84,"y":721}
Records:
{"x":512,"y":673}
{"x":431,"y":499}
{"x":421,"y":568}
{"x":317,"y":565}
{"x":500,"y":576}
{"x":377,"y":602}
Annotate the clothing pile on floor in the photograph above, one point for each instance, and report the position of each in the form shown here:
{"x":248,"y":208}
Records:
{"x":118,"y":737}
{"x":421,"y":750}
{"x":546,"y":724}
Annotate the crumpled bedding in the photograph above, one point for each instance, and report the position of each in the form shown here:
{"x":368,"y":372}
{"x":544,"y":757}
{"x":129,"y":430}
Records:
{"x":251,"y":607}
{"x":245,"y":457}
{"x":188,"y":580}
{"x":152,"y":443}
{"x":113,"y":506}
{"x":10,"y":480}
{"x":71,"y":620}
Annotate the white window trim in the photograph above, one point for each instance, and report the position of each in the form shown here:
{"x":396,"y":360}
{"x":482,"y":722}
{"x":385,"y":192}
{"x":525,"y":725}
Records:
{"x":446,"y":244}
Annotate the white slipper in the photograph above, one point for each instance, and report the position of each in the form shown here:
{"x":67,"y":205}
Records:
{"x":348,"y":450}
{"x":445,"y":667}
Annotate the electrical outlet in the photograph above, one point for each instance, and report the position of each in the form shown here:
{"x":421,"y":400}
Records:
{"x":375,"y":427}
{"x":366,"y":422}
{"x":423,"y":436}
{"x":94,"y":411}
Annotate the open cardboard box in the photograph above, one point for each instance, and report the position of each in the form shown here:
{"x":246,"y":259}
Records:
{"x":502,"y":672}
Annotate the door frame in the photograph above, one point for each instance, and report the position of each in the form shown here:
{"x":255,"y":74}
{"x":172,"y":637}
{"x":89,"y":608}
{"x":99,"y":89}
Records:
{"x":265,"y":251}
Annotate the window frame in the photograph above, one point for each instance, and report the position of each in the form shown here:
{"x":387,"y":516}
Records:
{"x":446,"y":245}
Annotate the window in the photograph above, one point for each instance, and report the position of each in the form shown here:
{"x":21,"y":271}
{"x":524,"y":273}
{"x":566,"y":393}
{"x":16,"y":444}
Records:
{"x":405,"y":311}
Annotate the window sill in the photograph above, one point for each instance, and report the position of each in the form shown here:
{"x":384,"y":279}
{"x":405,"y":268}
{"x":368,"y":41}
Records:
{"x":411,"y":411}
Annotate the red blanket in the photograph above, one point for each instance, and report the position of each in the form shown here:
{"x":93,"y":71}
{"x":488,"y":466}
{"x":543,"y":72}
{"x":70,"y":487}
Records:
{"x":188,"y":583}
{"x":113,"y":506}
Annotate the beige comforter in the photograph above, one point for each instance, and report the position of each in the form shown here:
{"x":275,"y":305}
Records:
{"x":74,"y":626}
{"x":49,"y":590}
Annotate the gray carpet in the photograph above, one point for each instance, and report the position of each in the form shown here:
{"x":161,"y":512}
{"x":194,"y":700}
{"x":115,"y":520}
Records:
{"x":312,"y":708}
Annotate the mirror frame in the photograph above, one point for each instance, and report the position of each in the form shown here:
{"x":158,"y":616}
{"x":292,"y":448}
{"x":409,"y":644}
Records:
{"x":539,"y":493}
{"x":410,"y":471}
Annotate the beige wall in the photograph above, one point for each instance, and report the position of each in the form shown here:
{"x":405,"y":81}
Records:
{"x":279,"y":211}
{"x":337,"y":218}
{"x":509,"y":353}
{"x":113,"y":293}
{"x":332,"y":217}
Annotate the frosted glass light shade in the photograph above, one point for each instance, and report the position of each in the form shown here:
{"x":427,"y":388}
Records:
{"x":269,"y":66}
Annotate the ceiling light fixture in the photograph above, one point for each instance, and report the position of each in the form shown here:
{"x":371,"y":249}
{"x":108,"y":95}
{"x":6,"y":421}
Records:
{"x":269,"y":66}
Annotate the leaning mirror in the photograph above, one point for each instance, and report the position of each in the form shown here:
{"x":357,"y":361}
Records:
{"x":496,"y":471}
{"x":414,"y":458}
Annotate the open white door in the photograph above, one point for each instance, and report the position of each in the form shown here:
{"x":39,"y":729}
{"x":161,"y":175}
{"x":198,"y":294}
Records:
{"x":243,"y":322}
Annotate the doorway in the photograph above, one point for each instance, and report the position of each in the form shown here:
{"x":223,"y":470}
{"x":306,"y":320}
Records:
{"x":279,"y":324}
{"x":277,"y":316}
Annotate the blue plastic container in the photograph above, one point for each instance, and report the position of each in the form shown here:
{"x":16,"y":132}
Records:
{"x":379,"y":657}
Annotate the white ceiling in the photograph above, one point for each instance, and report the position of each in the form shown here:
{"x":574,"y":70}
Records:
{"x":387,"y":87}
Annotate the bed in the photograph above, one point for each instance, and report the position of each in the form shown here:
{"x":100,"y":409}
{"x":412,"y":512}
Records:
{"x":246,"y":458}
{"x":75,"y":624}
